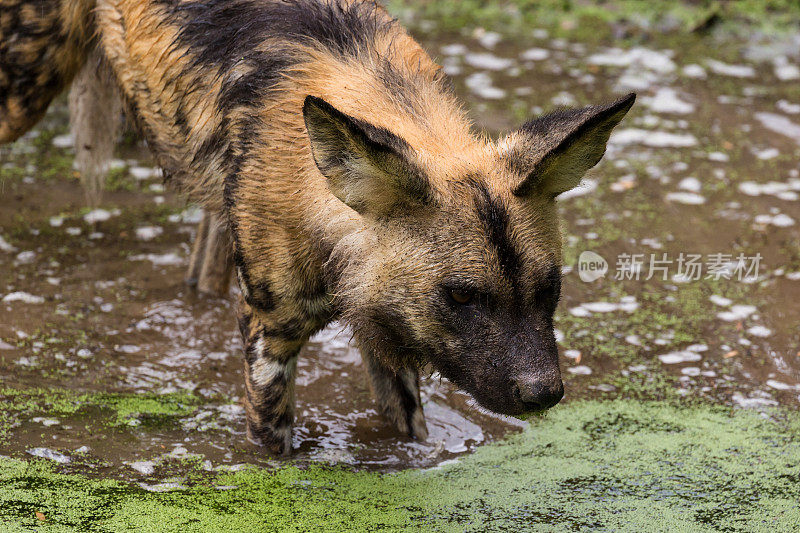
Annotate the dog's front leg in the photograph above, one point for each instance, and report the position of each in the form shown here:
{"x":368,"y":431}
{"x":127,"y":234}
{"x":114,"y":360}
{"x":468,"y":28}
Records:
{"x":272,"y":340}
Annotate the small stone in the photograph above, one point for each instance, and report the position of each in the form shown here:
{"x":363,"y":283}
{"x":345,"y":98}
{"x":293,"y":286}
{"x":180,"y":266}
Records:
{"x":678,"y":357}
{"x":600,"y":307}
{"x":750,"y":403}
{"x":5,"y":246}
{"x":634,"y":339}
{"x":690,"y":184}
{"x":579,"y":312}
{"x":127,"y":348}
{"x":47,"y":422}
{"x":535,"y":54}
{"x":694,"y":71}
{"x":487,"y":61}
{"x":143,"y":467}
{"x":759,"y":331}
{"x":147,"y":233}
{"x":24,"y":297}
{"x":687,"y":198}
{"x":144,"y":173}
{"x":580,"y":370}
{"x":63,"y":141}
{"x":24,"y":258}
{"x":168,"y":259}
{"x":720,"y":300}
{"x":454,"y":49}
{"x":47,"y":453}
{"x":736,"y":71}
{"x":737,"y":312}
{"x":779,"y":385}
{"x":96,"y":215}
{"x":697,"y":348}
{"x":787,"y":72}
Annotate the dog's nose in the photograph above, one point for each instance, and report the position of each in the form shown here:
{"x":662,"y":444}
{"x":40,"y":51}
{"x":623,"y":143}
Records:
{"x":538,"y":395}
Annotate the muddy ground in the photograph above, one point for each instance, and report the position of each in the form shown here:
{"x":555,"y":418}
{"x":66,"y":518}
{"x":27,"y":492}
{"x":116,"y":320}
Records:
{"x":121,"y":386}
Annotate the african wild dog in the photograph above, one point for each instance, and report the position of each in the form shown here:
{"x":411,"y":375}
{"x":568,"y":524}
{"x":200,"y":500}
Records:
{"x":348,"y":178}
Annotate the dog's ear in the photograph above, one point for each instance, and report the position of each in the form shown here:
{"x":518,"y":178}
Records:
{"x":368,"y":168}
{"x":553,"y":152}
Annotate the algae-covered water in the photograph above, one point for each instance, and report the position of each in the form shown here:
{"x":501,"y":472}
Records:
{"x":606,"y":465}
{"x":120,"y":386}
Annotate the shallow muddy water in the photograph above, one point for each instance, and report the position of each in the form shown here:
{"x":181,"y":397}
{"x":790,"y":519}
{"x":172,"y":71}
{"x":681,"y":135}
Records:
{"x":93,"y":302}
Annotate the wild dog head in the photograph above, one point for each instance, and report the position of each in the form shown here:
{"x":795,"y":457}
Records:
{"x":457,"y":263}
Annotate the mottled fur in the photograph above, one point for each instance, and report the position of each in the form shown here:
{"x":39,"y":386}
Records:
{"x":353,"y":187}
{"x":43,"y":43}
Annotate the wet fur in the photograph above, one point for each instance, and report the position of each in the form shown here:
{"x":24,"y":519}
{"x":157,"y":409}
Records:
{"x":220,"y":90}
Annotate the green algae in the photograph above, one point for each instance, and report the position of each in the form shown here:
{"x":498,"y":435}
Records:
{"x":117,"y":409}
{"x":608,"y":465}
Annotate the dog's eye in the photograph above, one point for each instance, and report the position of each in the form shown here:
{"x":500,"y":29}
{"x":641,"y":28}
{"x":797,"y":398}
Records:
{"x":461,"y":297}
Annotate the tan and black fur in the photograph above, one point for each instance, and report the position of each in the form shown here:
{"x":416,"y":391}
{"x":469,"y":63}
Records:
{"x":352,"y":186}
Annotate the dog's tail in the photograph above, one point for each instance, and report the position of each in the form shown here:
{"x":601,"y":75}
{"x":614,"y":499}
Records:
{"x":95,"y":109}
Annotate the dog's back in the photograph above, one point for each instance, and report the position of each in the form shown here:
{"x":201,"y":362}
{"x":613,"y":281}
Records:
{"x":200,"y":76}
{"x":195,"y":74}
